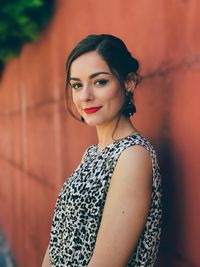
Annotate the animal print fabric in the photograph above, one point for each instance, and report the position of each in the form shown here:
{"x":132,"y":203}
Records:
{"x":80,"y":204}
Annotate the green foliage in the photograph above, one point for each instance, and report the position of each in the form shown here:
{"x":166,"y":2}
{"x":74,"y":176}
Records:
{"x":21,"y":21}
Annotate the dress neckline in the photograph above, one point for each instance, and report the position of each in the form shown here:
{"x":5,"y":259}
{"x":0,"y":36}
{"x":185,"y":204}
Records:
{"x":114,"y":142}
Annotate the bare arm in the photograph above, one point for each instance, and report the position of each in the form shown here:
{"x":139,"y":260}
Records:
{"x":46,"y":261}
{"x":126,"y":209}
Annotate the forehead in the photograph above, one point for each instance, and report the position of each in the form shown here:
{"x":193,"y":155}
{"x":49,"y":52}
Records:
{"x":88,"y":63}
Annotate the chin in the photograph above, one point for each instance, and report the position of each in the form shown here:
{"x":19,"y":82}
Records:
{"x":97,"y":121}
{"x":93,"y":122}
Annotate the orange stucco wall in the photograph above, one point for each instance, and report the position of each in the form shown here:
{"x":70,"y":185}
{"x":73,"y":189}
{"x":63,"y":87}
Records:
{"x":40,"y":143}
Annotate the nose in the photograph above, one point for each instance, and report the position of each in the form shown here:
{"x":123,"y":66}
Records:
{"x":87,"y":93}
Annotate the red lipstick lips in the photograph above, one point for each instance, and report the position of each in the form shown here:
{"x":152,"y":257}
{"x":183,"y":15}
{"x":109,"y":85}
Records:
{"x":91,"y":110}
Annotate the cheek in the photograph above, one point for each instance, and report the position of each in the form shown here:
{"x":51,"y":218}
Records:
{"x":74,"y":99}
{"x":121,"y":97}
{"x":112,"y":92}
{"x":116,"y":98}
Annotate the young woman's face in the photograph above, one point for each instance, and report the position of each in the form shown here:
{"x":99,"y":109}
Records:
{"x":96,"y":92}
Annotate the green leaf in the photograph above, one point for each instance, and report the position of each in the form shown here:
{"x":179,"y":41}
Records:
{"x":21,"y":22}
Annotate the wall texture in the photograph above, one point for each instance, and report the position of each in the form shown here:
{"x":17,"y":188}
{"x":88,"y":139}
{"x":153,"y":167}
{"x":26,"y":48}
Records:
{"x":41,"y":144}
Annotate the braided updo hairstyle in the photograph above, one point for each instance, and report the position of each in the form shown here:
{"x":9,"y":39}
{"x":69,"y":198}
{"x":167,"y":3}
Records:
{"x":116,"y":55}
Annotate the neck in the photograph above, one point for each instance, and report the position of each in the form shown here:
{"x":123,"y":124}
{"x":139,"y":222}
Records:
{"x":105,"y":132}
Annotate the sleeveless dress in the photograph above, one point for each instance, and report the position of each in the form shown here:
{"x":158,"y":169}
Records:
{"x":80,"y":204}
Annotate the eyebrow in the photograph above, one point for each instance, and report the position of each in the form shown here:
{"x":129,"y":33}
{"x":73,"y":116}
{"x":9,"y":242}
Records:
{"x":90,"y":77}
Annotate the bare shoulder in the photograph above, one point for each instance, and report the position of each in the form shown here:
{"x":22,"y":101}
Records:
{"x":135,"y":157}
{"x":135,"y":151}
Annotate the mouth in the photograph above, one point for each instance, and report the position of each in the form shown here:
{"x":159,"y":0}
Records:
{"x":92,"y":109}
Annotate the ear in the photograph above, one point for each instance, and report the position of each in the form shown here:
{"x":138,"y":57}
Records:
{"x":130,"y":82}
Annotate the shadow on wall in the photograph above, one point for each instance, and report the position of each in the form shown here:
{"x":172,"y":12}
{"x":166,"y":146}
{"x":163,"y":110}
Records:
{"x":169,"y":198}
{"x":6,"y":258}
{"x":171,"y":234}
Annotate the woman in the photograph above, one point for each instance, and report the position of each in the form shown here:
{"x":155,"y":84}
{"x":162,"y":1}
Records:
{"x":108,"y":213}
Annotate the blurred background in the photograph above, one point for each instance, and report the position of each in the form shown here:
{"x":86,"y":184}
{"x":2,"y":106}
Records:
{"x":40,"y":144}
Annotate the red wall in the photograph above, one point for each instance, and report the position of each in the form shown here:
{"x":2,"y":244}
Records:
{"x":40,"y":143}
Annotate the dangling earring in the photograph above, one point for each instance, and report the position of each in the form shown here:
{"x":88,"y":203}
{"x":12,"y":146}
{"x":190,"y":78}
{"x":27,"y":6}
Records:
{"x":129,"y":108}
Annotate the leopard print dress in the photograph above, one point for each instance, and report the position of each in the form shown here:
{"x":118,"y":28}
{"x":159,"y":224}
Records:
{"x":80,"y":204}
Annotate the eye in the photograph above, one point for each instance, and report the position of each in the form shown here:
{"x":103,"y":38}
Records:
{"x":101,"y":82}
{"x":76,"y":85}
